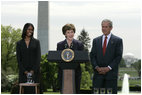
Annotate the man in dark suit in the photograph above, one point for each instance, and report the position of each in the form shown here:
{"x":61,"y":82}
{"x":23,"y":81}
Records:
{"x":105,"y":56}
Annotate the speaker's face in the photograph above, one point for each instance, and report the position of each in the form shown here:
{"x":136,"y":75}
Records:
{"x":69,"y":34}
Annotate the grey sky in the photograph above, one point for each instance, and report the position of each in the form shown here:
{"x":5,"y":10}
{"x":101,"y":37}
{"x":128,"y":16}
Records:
{"x":126,"y":17}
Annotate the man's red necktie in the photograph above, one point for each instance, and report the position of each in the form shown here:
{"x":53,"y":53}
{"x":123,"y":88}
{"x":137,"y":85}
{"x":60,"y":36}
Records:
{"x":104,"y":45}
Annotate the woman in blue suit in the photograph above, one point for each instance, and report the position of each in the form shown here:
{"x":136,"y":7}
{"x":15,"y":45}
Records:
{"x":69,"y":42}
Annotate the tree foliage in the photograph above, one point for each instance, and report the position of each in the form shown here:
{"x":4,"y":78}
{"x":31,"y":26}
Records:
{"x":86,"y":68}
{"x":137,"y":66}
{"x":122,"y":63}
{"x":84,"y":38}
{"x":86,"y":78}
{"x":9,"y":37}
{"x":4,"y":82}
{"x":49,"y":74}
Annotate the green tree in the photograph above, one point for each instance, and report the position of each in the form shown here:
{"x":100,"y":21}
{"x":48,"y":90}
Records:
{"x":49,"y":74}
{"x":86,"y":68}
{"x":4,"y":82}
{"x":43,"y":71}
{"x":52,"y":72}
{"x":122,"y":63}
{"x":9,"y":37}
{"x":137,"y":66}
{"x":86,"y":82}
{"x":84,"y":38}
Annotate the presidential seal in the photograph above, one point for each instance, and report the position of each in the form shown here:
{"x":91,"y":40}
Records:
{"x":67,"y":55}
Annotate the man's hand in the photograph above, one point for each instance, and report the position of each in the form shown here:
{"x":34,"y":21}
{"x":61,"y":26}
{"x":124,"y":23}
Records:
{"x":98,"y":69}
{"x":103,"y":70}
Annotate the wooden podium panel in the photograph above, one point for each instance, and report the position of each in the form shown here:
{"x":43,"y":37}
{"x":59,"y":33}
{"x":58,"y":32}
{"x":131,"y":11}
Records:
{"x":68,"y":82}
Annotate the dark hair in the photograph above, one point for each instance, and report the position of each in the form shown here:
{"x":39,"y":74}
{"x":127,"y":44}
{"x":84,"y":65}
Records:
{"x":109,"y":21}
{"x":68,"y":27}
{"x":25,"y":28}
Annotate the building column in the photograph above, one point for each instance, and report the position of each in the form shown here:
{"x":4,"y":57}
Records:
{"x":43,"y":26}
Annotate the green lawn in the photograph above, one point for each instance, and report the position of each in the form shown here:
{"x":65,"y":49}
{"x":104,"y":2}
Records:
{"x":50,"y":92}
{"x":131,"y":71}
{"x":5,"y":92}
{"x":119,"y":92}
{"x":132,"y":83}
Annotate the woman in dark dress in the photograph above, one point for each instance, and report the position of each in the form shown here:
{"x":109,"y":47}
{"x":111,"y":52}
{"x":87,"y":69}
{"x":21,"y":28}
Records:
{"x":28,"y":56}
{"x":69,"y":42}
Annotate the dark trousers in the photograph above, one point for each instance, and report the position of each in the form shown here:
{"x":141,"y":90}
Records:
{"x":101,"y":82}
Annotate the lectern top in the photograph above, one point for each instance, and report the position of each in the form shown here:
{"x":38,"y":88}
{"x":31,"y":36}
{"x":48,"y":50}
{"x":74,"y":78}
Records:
{"x":79,"y":56}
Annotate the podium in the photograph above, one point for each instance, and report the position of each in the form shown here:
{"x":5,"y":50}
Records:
{"x":68,"y":79}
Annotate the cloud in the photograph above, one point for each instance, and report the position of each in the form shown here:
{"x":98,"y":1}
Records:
{"x":77,"y":9}
{"x":19,"y":8}
{"x":126,"y":17}
{"x":17,"y":13}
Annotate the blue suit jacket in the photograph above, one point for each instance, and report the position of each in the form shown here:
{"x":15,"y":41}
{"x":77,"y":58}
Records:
{"x":112,"y":56}
{"x":76,"y":45}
